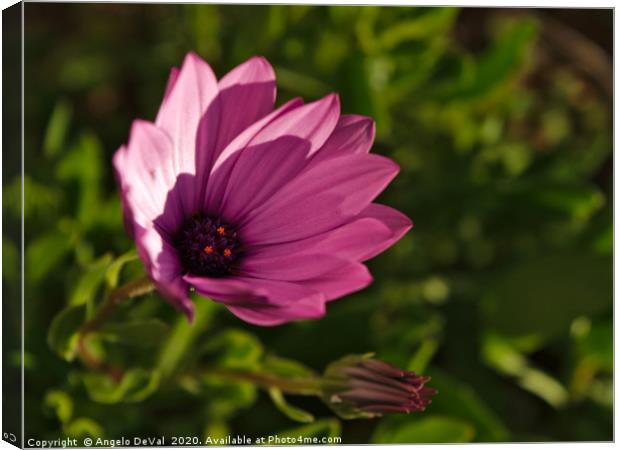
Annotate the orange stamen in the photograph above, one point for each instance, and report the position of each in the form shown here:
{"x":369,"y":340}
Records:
{"x":208,"y":249}
{"x":220,"y":230}
{"x":227,"y":252}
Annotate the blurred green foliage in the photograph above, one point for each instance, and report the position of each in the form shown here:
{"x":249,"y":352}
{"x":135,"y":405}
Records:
{"x":502,"y":292}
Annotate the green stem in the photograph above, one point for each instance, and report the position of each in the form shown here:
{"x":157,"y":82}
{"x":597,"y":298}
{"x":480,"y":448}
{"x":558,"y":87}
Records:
{"x":299,"y":386}
{"x":134,"y":288}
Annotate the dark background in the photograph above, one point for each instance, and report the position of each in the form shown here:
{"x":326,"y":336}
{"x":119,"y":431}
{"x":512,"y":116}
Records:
{"x":501,"y":122}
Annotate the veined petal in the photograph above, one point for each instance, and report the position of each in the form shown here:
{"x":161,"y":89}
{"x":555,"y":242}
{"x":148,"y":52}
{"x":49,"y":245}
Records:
{"x":259,"y":171}
{"x":314,"y":122}
{"x":291,"y":267}
{"x":246,"y":94}
{"x":220,"y":172}
{"x":319,"y":199}
{"x":269,"y":163}
{"x":369,"y":233}
{"x":145,"y":172}
{"x":180,"y":115}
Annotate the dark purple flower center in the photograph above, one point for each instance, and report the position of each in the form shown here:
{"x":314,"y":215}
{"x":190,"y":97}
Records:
{"x":207,"y":246}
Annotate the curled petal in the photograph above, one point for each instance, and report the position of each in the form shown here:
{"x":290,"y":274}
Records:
{"x":353,"y":134}
{"x":262,"y":302}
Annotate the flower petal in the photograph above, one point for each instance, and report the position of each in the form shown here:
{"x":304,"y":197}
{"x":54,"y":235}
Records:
{"x":319,"y":199}
{"x":268,"y":316}
{"x":247,"y":94}
{"x":259,"y":171}
{"x":375,"y":229}
{"x":172,"y":79}
{"x":163,"y":266}
{"x":353,"y":134}
{"x":262,"y":302}
{"x":349,"y":278}
{"x":396,"y":223}
{"x":180,"y":115}
{"x":220,"y":173}
{"x":145,"y":173}
{"x":314,"y":122}
{"x":290,"y":267}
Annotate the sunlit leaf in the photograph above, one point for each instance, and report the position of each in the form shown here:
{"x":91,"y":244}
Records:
{"x":135,"y":386}
{"x":433,"y":22}
{"x":501,"y":355}
{"x":61,"y":403}
{"x":114,"y":269}
{"x":183,"y":336}
{"x":62,"y":334}
{"x":236,"y":349}
{"x":226,"y":397}
{"x":84,"y":427}
{"x":292,"y":412}
{"x":286,"y":368}
{"x":85,"y":288}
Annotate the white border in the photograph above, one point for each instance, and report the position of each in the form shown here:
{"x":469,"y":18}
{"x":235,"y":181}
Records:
{"x":463,"y":3}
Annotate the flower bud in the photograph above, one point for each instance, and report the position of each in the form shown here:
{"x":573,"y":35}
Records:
{"x":362,"y":386}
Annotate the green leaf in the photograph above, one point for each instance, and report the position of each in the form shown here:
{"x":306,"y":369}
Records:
{"x":597,"y":345}
{"x":143,"y":333}
{"x":545,"y":294}
{"x":114,"y":269}
{"x":135,"y":386}
{"x":235,"y":349}
{"x":54,"y":139}
{"x":61,"y":403}
{"x":423,"y":355}
{"x":579,"y":202}
{"x":86,"y":287}
{"x":436,"y":20}
{"x":324,"y":428}
{"x":183,"y":335}
{"x":83,"y":427}
{"x":45,"y":253}
{"x":84,"y":164}
{"x":502,"y":355}
{"x":225,"y":397}
{"x":494,"y":70}
{"x":300,"y":83}
{"x":460,"y":401}
{"x":286,"y":368}
{"x":62,"y":335}
{"x":427,"y":430}
{"x":292,"y":412}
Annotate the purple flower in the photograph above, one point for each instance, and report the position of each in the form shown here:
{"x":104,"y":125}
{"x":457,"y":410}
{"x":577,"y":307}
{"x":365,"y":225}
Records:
{"x":266,"y":211}
{"x":361,"y":386}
